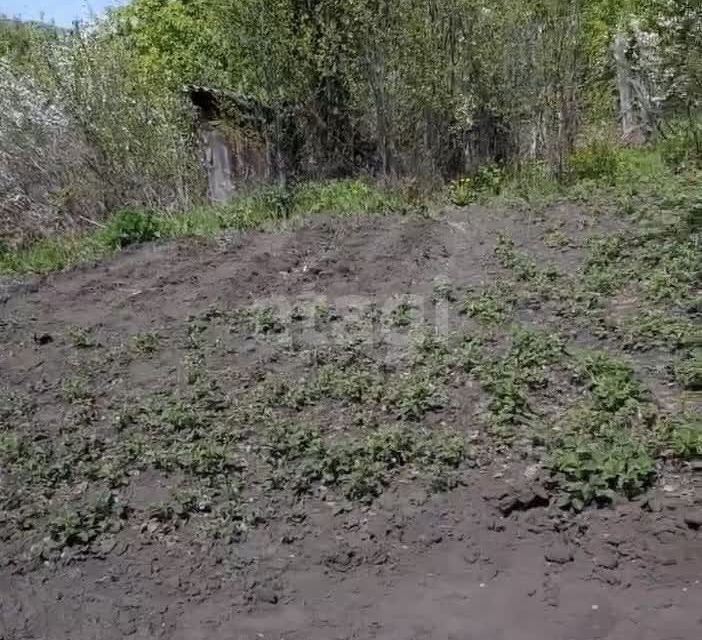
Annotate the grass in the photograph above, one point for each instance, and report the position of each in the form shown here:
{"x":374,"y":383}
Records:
{"x":256,"y":210}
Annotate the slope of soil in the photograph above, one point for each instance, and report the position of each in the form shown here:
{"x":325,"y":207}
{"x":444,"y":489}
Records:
{"x":348,"y":430}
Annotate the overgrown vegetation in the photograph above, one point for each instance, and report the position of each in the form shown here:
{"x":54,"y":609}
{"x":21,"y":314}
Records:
{"x":494,"y":100}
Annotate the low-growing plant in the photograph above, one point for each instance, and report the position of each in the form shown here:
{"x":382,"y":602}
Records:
{"x":131,"y":226}
{"x":266,"y":320}
{"x":556,"y":239}
{"x":596,"y":467}
{"x":83,"y":525}
{"x":509,"y":378}
{"x":82,"y":338}
{"x":680,"y":436}
{"x":656,"y":328}
{"x":490,"y":305}
{"x":688,"y":371}
{"x":361,"y":467}
{"x":686,"y":438}
{"x":611,"y":382}
{"x":443,"y":291}
{"x":145,"y":343}
{"x":413,"y":395}
{"x":463,"y":192}
{"x":402,"y":315}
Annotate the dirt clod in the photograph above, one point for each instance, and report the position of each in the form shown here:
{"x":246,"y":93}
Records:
{"x":693,"y":519}
{"x":607,"y":559}
{"x":559,"y":553}
{"x":524,"y":499}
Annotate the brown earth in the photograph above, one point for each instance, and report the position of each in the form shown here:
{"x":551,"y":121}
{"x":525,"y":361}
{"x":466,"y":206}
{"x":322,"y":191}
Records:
{"x":494,"y":558}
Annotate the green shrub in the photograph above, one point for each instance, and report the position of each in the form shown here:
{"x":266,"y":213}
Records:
{"x":131,"y":226}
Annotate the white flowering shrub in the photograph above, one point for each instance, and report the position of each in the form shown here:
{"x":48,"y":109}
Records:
{"x":80,"y":137}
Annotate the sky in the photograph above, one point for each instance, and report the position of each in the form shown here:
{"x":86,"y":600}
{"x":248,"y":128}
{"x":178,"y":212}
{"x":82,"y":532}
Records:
{"x":62,"y":12}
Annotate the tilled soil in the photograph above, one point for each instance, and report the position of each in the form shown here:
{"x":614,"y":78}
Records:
{"x":495,"y":557}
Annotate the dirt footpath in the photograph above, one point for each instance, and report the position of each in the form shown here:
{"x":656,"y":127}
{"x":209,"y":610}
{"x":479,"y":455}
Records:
{"x":492,"y":556}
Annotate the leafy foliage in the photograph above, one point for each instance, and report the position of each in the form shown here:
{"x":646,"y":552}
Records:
{"x":130,"y":227}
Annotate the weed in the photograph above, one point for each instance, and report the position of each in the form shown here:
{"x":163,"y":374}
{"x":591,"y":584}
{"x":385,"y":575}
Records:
{"x":362,"y":467}
{"x":346,"y":197}
{"x":130,"y":227}
{"x":674,"y":272}
{"x":686,"y":438}
{"x":82,"y":338}
{"x":611,"y":382}
{"x":656,"y":328}
{"x":688,"y":372}
{"x":469,"y":355}
{"x":595,"y":468}
{"x":145,"y":343}
{"x":607,"y":445}
{"x":265,"y":206}
{"x":403,"y":314}
{"x":443,"y":291}
{"x":77,"y":391}
{"x":555,"y":239}
{"x":352,"y":383}
{"x":490,"y":305}
{"x":509,"y":379}
{"x":411,"y":396}
{"x":463,"y":192}
{"x":266,"y":321}
{"x":605,"y":268}
{"x":83,"y":525}
{"x":543,"y":280}
{"x":430,"y":351}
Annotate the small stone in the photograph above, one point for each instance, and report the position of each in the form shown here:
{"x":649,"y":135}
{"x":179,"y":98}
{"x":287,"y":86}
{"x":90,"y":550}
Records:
{"x":43,"y":338}
{"x":559,"y":554}
{"x":693,"y":519}
{"x":696,"y":465}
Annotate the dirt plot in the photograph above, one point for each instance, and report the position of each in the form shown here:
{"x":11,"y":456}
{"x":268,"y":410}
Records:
{"x":482,"y":425}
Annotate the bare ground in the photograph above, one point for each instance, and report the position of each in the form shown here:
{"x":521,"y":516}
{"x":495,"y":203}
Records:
{"x":495,"y":557}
